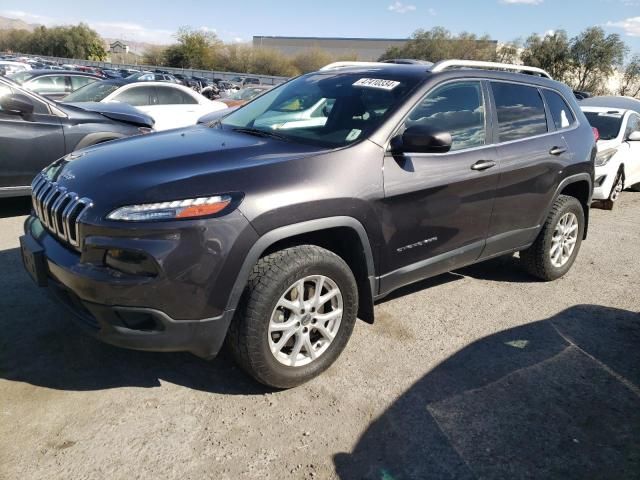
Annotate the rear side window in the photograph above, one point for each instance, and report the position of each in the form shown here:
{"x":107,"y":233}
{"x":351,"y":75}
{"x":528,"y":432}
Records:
{"x":173,"y":96}
{"x":520,"y":111}
{"x":137,"y":96}
{"x":79,"y":82}
{"x":48,"y":84}
{"x":560,"y":111}
{"x":456,"y":108}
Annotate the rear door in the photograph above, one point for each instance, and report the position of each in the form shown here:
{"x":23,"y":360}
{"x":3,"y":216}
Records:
{"x":28,"y":144}
{"x":176,"y":108}
{"x":437,"y":206}
{"x":532,"y":153}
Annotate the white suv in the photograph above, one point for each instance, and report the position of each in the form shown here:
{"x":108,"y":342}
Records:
{"x":618,"y":159}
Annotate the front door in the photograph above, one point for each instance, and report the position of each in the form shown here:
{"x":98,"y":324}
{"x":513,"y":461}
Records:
{"x":437,"y":206}
{"x":29,"y":143}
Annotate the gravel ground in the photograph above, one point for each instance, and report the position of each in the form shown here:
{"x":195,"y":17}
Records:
{"x":480,"y":373}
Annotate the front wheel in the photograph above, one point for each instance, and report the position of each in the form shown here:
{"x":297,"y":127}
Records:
{"x":296,"y":316}
{"x":616,"y":190}
{"x":558,"y":243}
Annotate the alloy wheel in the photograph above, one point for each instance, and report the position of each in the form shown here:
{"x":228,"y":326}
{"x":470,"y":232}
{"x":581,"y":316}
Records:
{"x":305,"y":320}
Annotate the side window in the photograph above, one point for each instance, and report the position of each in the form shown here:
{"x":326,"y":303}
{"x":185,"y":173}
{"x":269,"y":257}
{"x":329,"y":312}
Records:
{"x":79,"y":82}
{"x":632,"y":125}
{"x":520,"y":111}
{"x":456,"y":108}
{"x":4,"y":90}
{"x":560,"y":111}
{"x":173,"y":96}
{"x":48,"y":84}
{"x":137,"y":96}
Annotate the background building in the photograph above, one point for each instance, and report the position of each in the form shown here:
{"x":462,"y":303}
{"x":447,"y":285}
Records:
{"x":366,"y":49}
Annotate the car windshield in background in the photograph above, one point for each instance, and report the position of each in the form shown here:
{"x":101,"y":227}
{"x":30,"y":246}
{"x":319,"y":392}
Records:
{"x":20,"y":77}
{"x":327,"y":109}
{"x":607,"y":123}
{"x":94,"y":92}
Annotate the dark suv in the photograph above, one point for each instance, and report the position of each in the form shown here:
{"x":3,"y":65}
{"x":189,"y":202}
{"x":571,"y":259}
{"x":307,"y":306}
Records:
{"x":274,"y":228}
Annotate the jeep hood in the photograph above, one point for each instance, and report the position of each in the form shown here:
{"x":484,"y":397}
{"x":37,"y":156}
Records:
{"x":172,"y":165}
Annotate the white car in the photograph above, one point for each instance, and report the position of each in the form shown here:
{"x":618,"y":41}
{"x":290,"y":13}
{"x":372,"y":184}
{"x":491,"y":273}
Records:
{"x":13,"y":67}
{"x":618,"y":159}
{"x":170,"y":105}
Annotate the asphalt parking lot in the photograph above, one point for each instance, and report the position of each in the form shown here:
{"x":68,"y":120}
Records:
{"x":480,"y":373}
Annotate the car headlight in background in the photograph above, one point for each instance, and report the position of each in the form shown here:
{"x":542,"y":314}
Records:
{"x":173,"y":210}
{"x":602,"y":158}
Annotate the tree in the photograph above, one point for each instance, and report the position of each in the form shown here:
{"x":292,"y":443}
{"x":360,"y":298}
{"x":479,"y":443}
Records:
{"x":155,"y":55}
{"x":311,"y":60}
{"x":77,"y":41}
{"x":594,"y":56}
{"x":439,"y":44}
{"x":630,"y":84}
{"x":508,"y":52}
{"x":550,"y":52}
{"x":195,"y":49}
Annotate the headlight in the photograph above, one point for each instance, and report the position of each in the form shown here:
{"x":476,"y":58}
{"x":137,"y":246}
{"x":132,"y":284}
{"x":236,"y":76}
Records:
{"x":174,"y":210}
{"x":602,"y":158}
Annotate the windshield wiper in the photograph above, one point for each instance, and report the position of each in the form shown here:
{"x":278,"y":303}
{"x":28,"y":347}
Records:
{"x":260,"y":133}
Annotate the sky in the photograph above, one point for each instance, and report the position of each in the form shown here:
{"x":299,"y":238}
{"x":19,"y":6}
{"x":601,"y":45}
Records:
{"x":238,"y":20}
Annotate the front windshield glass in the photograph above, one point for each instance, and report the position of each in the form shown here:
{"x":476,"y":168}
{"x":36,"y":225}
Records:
{"x":20,"y":77}
{"x":94,"y":92}
{"x":327,"y":109}
{"x":608,"y":124}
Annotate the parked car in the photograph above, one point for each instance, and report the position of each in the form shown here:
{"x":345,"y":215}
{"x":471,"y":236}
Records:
{"x":10,"y":66}
{"x":245,"y":95}
{"x":53,"y":84}
{"x":152,"y":77}
{"x":170,"y":105}
{"x":250,"y":81}
{"x":35,"y":131}
{"x":278,"y":240}
{"x":618,"y":159}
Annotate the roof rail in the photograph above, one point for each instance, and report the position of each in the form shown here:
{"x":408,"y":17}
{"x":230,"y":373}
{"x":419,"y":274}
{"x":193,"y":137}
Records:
{"x":446,"y":64}
{"x":347,"y":64}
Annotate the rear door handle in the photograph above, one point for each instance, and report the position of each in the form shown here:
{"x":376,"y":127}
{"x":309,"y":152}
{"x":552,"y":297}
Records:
{"x":557,"y":150}
{"x":483,"y":165}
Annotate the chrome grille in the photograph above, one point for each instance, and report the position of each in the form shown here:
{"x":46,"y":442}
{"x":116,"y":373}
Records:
{"x":58,"y":209}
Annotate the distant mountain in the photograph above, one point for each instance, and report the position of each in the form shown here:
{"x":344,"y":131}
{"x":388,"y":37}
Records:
{"x":16,"y":24}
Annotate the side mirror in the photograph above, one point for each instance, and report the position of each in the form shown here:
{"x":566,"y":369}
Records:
{"x":634,"y":136}
{"x":422,"y":139}
{"x":17,"y":103}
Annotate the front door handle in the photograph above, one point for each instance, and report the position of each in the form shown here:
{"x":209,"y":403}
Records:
{"x":483,"y":165}
{"x":557,"y":151}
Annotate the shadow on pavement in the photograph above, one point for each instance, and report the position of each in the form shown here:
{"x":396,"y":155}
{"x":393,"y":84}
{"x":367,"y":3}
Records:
{"x":557,"y":398}
{"x":40,"y":345}
{"x":15,"y":207}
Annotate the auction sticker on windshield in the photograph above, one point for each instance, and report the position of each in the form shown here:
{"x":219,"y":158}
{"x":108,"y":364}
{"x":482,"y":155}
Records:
{"x":376,"y":83}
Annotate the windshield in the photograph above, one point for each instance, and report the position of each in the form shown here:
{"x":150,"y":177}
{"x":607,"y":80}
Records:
{"x":607,"y":123}
{"x":327,"y":109}
{"x":94,"y":92}
{"x":20,"y":77}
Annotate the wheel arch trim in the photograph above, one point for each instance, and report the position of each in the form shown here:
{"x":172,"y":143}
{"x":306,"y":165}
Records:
{"x":97,"y":137}
{"x":292,"y":230}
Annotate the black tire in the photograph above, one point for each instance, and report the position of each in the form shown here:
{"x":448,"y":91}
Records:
{"x":537,"y":258}
{"x":610,"y":202}
{"x":271,"y":277}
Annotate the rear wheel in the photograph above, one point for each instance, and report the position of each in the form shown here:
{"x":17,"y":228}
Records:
{"x":554,"y":251}
{"x":297,"y":314}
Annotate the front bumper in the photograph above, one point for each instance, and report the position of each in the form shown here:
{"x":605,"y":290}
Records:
{"x":79,"y":287}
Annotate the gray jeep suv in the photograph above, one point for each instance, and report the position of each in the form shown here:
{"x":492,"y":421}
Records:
{"x":274,"y":235}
